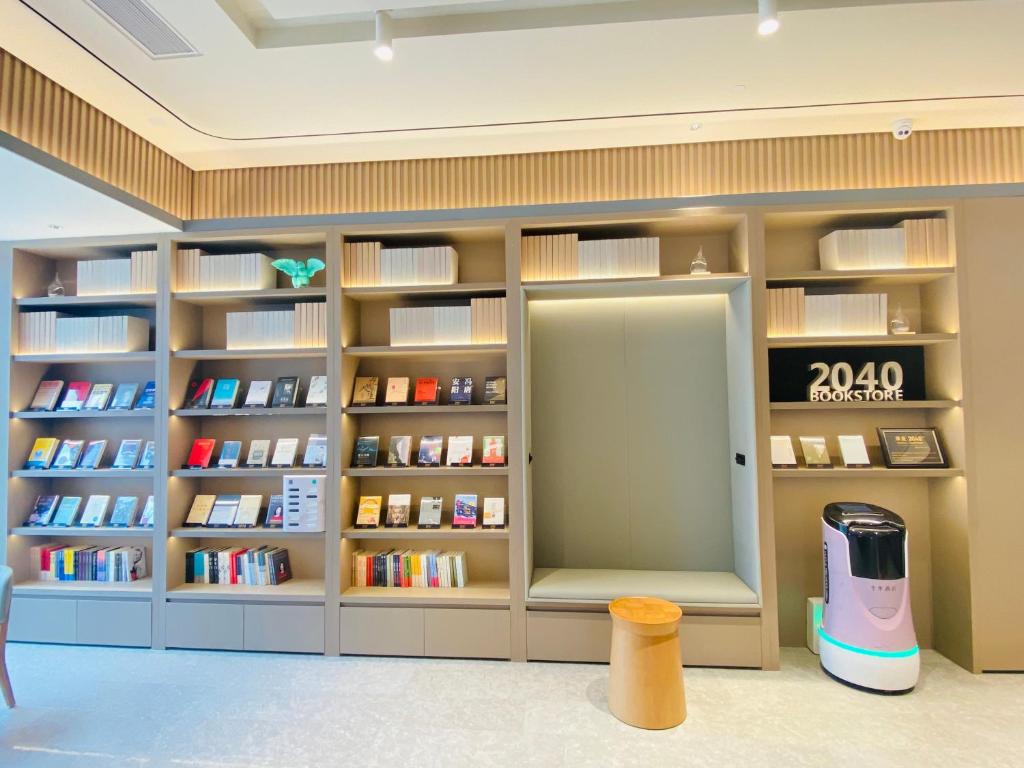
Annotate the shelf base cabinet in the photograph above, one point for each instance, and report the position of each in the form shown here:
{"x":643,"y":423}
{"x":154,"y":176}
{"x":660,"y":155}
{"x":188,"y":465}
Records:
{"x":706,"y":641}
{"x":249,"y":627}
{"x":81,"y":621}
{"x":468,"y":633}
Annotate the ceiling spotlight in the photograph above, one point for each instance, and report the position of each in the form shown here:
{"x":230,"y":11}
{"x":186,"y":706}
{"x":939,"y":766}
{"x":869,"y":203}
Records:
{"x":383,"y":47}
{"x":55,"y":227}
{"x":768,"y":17}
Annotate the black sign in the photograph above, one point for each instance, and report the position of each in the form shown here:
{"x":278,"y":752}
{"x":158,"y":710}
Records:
{"x":846,"y":374}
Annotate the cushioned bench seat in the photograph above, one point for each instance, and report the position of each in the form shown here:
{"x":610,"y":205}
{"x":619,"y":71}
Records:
{"x":598,"y":584}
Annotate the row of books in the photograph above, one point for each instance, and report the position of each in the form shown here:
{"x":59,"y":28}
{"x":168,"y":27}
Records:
{"x":86,"y":396}
{"x":284,"y":393}
{"x":482,"y":322}
{"x":566,"y":257}
{"x":52,"y":453}
{"x":911,"y":243}
{"x":57,"y":562}
{"x":464,"y":511}
{"x":103,"y":277}
{"x":427,"y":391}
{"x":49,"y":332}
{"x":260,"y":567}
{"x":408,"y":568}
{"x":53,"y":511}
{"x":303,"y":326}
{"x":229,"y":510}
{"x":793,"y":312}
{"x":283,"y":455}
{"x":460,"y":451}
{"x":367,"y":265}
{"x":199,"y":271}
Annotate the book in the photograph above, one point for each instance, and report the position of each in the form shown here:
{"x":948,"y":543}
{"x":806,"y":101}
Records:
{"x":201,"y":453}
{"x":248,"y":513}
{"x":42,"y":510}
{"x":147,"y":400}
{"x":92,"y":456}
{"x":493,"y":451}
{"x":275,"y":511}
{"x":464,"y":515}
{"x":200,"y":511}
{"x":67,"y":512}
{"x":397,"y":392}
{"x":42,"y":453}
{"x":316,"y":451}
{"x":222,"y":514}
{"x":284,"y":452}
{"x":127,"y":454}
{"x":258,"y":395}
{"x":75,"y":396}
{"x":148,"y":458}
{"x":783,"y":456}
{"x":368,"y":514}
{"x":364,"y":392}
{"x":259,"y":454}
{"x":230,"y":453}
{"x":316,"y":395}
{"x":68,"y":455}
{"x":494,"y":390}
{"x":199,"y":394}
{"x":429,"y":454}
{"x":95,"y":513}
{"x":427,"y":391}
{"x":853,"y":451}
{"x":46,"y":396}
{"x":460,"y":450}
{"x":124,"y":397}
{"x":430,"y":512}
{"x":461,"y":392}
{"x":365,"y":454}
{"x":148,"y":511}
{"x":225,"y":393}
{"x":124,"y":514}
{"x":98,"y":398}
{"x":398,"y":450}
{"x":398,"y":510}
{"x":494,"y":512}
{"x":815,"y":452}
{"x":286,"y":392}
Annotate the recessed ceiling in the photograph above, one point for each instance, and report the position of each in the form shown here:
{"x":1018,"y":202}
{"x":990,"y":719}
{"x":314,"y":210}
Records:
{"x":828,"y":70}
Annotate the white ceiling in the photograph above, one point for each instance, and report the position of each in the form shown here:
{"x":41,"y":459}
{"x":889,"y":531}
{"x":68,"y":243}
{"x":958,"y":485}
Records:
{"x":941,"y":55}
{"x":34,"y":200}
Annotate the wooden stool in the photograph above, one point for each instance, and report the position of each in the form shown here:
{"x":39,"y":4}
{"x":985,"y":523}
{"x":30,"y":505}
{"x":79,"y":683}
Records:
{"x":645,"y":686}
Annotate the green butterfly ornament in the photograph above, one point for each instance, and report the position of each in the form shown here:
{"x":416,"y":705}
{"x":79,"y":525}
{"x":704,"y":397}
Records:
{"x":299,"y":272}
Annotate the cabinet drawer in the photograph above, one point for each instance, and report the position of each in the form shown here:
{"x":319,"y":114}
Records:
{"x":205,"y":625}
{"x":382,"y":631}
{"x":42,"y":620}
{"x":115,"y":622}
{"x":288,"y":628}
{"x":467,"y":633}
{"x":557,"y":636}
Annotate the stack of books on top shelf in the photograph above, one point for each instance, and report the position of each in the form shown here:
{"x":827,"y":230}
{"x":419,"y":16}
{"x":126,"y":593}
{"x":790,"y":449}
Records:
{"x":565,"y":257}
{"x":103,"y":277}
{"x":912,"y":243}
{"x":303,"y":326}
{"x":791,"y":312}
{"x":398,"y":568}
{"x":368,"y":265}
{"x":198,"y":271}
{"x":261,"y":567}
{"x":81,"y":563}
{"x":47,"y":332}
{"x":482,"y":322}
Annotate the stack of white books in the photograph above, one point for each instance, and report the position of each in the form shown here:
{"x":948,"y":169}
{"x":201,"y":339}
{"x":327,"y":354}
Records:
{"x":911,"y":243}
{"x":550,"y":257}
{"x":488,"y":321}
{"x":104,"y":277}
{"x":927,"y":242}
{"x":144,"y":271}
{"x":792,"y":312}
{"x":786,"y":311}
{"x":416,"y":326}
{"x":305,"y":325}
{"x":116,"y":333}
{"x":566,"y":257}
{"x":37,"y":332}
{"x":198,"y":271}
{"x":367,"y":265}
{"x":311,"y":324}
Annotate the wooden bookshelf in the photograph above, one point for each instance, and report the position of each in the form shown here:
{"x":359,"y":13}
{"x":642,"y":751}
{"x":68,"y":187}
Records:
{"x":423,"y":471}
{"x":293,"y":590}
{"x":444,"y":532}
{"x":89,"y":533}
{"x":203,"y":413}
{"x":200,"y":532}
{"x":139,"y":588}
{"x":864,"y":277}
{"x":670,"y":285}
{"x":901,"y":340}
{"x":473,"y":595}
{"x":137,"y":413}
{"x":872,"y":473}
{"x":96,"y":474}
{"x":258,"y":296}
{"x":881,"y":405}
{"x":288,"y":353}
{"x":68,"y":358}
{"x":421,"y":410}
{"x":241,"y":472}
{"x":393,"y":292}
{"x":429,"y":350}
{"x":72,"y":302}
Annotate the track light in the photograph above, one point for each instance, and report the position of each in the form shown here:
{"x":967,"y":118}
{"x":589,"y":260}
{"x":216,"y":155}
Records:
{"x":768,"y":17}
{"x":383,"y":47}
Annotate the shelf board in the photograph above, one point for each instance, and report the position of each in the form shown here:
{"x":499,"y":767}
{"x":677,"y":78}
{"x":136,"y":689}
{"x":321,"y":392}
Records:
{"x":428,"y":350}
{"x":87,"y":357}
{"x":110,"y":300}
{"x":258,"y":295}
{"x":140,"y":413}
{"x":215,"y":412}
{"x":873,"y":472}
{"x":901,"y":340}
{"x":422,"y":471}
{"x":243,"y":533}
{"x":140,"y":588}
{"x":886,"y":405}
{"x":243,"y":472}
{"x":292,"y":353}
{"x":104,"y":532}
{"x":423,"y":409}
{"x":105,"y":474}
{"x":444,"y":532}
{"x":392,"y":292}
{"x":909,"y":276}
{"x":668,"y":285}
{"x":478,"y":595}
{"x":293,"y":590}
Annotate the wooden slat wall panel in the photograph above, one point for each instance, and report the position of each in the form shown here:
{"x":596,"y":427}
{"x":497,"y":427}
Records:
{"x":39,"y":112}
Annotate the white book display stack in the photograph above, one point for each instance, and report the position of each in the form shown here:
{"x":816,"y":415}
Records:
{"x":198,"y":271}
{"x":368,"y":265}
{"x":49,"y":332}
{"x":913,"y":243}
{"x":105,"y":277}
{"x":565,"y":257}
{"x":303,"y":326}
{"x":793,"y":312}
{"x":488,"y":321}
{"x":482,"y":322}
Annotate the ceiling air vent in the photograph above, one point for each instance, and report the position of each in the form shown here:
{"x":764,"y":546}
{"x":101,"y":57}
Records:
{"x":144,"y":26}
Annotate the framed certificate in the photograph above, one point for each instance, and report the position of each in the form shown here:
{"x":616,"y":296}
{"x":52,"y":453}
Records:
{"x":911,"y":448}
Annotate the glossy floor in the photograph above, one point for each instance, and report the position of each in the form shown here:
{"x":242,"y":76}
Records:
{"x":108,"y":707}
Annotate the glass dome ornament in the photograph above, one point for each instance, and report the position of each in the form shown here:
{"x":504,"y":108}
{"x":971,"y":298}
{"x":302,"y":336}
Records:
{"x":699,"y":265}
{"x":56,"y":287}
{"x":899,"y":323}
